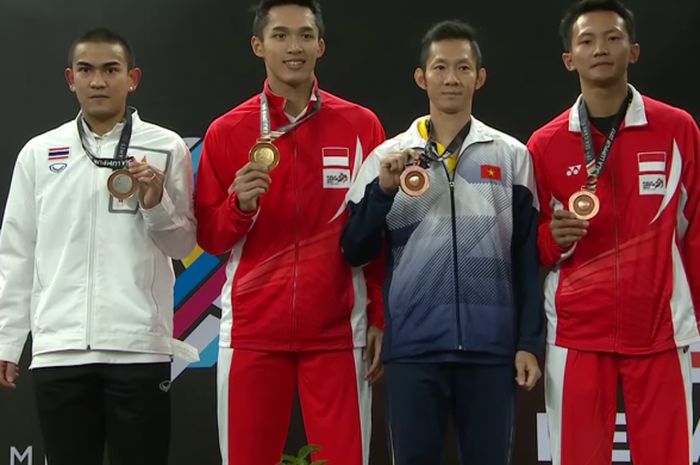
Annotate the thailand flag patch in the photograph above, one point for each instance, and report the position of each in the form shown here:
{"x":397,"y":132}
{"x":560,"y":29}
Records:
{"x":59,"y":153}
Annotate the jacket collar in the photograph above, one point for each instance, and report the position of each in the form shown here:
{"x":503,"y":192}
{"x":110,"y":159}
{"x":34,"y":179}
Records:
{"x":416,"y":136}
{"x":114,"y":133}
{"x":636,"y":113}
{"x":278,"y":102}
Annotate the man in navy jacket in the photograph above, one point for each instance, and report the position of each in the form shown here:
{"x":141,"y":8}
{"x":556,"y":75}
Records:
{"x":462,"y":297}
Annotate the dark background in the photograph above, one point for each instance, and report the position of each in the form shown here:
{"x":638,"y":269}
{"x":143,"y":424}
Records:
{"x":197,"y":64}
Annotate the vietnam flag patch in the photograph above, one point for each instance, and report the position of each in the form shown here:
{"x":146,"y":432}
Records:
{"x":491,"y":172}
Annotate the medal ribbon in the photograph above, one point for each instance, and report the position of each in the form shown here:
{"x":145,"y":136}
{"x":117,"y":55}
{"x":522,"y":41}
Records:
{"x":430,"y":152}
{"x":120,"y":160}
{"x":595,"y":166}
{"x":265,"y":131}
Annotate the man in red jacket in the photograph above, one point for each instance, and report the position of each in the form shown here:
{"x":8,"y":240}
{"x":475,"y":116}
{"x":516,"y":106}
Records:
{"x":618,"y":186}
{"x":271,"y":190}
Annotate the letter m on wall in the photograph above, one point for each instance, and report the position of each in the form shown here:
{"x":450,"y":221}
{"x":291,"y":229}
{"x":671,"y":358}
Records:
{"x":21,"y":459}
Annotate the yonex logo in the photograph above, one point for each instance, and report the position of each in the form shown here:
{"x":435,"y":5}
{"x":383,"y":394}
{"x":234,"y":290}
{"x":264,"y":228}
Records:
{"x":573,"y":170}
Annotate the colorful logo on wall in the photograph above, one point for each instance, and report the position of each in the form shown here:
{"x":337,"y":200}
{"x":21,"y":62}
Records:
{"x":200,"y":277}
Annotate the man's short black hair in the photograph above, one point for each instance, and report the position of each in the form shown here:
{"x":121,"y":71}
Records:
{"x":104,"y":36}
{"x":263,"y":8}
{"x":446,"y":30}
{"x":566,"y":27}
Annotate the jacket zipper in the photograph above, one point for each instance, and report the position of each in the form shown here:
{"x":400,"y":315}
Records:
{"x":616,"y":310}
{"x":617,"y":264}
{"x":296,"y":241}
{"x":450,"y":179}
{"x":91,"y":258}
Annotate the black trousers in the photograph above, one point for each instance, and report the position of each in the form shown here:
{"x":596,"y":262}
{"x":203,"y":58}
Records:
{"x":422,"y":396}
{"x":125,"y":406}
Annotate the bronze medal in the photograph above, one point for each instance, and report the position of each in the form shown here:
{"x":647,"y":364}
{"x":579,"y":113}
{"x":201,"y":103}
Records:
{"x":414,"y":181}
{"x":122,"y":184}
{"x":584,"y":204}
{"x":265,"y":153}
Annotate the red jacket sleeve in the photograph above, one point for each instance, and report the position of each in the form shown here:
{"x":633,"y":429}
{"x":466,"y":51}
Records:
{"x":689,"y":147}
{"x":220,"y":222}
{"x":378,"y":135}
{"x":375,"y":271}
{"x":549,"y":252}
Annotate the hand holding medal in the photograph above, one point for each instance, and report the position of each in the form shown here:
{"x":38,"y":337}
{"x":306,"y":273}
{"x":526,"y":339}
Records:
{"x":414,"y":179}
{"x":566,"y":228}
{"x":397,"y":170}
{"x":253,"y":180}
{"x":149,"y":181}
{"x":250,"y":182}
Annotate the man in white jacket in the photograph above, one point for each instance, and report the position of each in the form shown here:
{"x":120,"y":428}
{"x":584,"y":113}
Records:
{"x":96,"y":210}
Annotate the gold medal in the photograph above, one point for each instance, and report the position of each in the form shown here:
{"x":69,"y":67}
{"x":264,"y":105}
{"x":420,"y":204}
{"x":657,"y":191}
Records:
{"x":265,"y":153}
{"x":122,"y":184}
{"x":584,"y":204}
{"x":414,"y":181}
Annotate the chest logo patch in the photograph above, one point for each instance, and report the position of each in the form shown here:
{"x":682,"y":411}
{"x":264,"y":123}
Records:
{"x":57,"y":167}
{"x":573,"y":170}
{"x":652,"y":184}
{"x":335,"y":178}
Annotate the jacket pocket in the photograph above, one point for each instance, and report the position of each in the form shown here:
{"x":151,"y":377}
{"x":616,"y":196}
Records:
{"x":38,"y":284}
{"x":152,"y":292}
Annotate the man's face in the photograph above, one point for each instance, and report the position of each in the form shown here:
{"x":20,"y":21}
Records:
{"x":451,"y":75}
{"x":600,"y":49}
{"x":290,"y":45}
{"x":101,"y":79}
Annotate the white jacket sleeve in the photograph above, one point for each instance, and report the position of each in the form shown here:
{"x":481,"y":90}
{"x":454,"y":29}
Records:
{"x":17,"y":244}
{"x":171,"y":223}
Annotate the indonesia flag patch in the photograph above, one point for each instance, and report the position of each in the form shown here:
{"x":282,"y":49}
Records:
{"x":337,"y":157}
{"x":59,"y":153}
{"x":652,"y":162}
